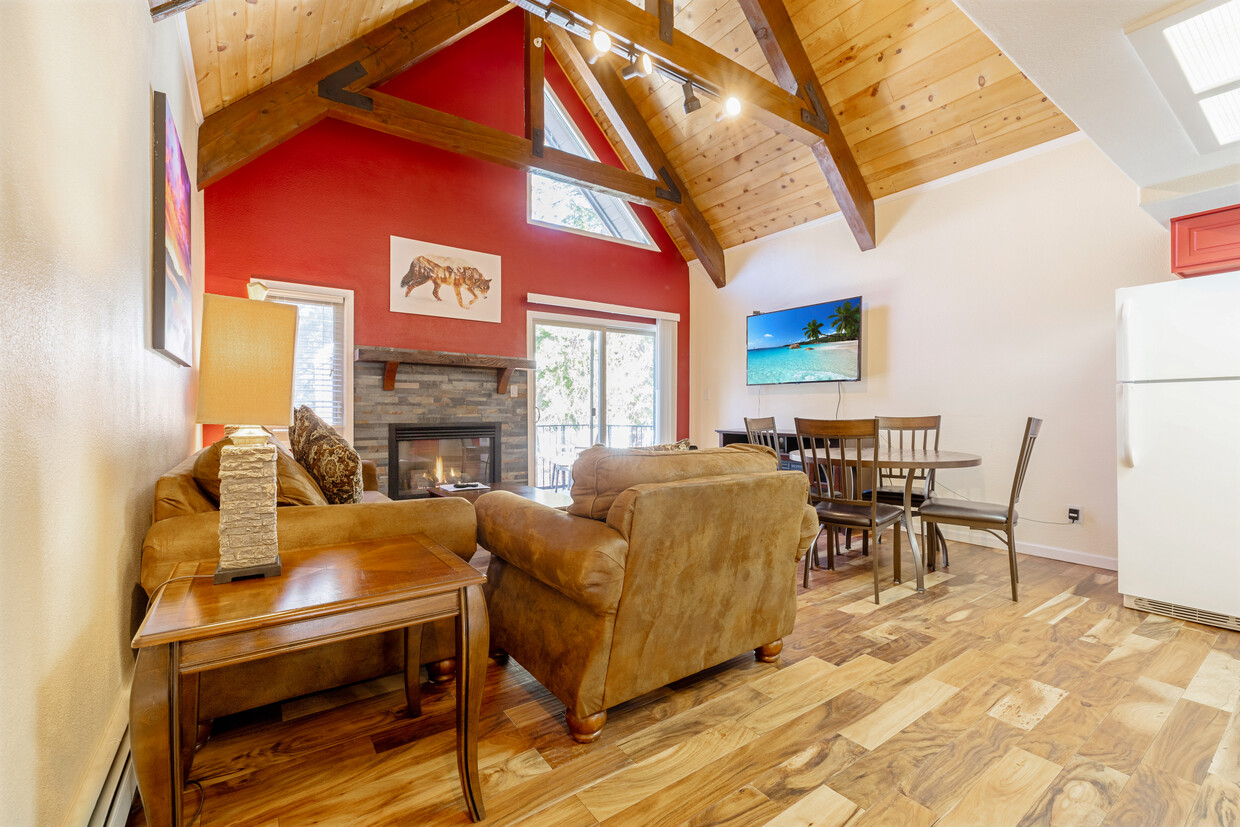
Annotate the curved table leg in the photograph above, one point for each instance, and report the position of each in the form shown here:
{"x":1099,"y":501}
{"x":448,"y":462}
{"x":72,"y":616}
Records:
{"x":912,"y":535}
{"x":472,"y":638}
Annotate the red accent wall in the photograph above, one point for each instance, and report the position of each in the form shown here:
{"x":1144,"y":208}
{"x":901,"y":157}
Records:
{"x":319,"y":209}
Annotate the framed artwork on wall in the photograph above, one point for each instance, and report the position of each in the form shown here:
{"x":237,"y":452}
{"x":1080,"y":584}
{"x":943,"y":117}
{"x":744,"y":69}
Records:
{"x":434,"y":280}
{"x":172,"y":310}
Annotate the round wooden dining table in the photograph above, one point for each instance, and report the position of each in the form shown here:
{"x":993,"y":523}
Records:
{"x":911,"y":459}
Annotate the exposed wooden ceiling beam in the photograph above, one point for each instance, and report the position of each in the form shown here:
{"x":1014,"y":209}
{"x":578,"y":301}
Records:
{"x":160,"y":10}
{"x":243,"y":130}
{"x":786,"y":54}
{"x":535,"y":50}
{"x":764,"y":101}
{"x":619,"y":108}
{"x":404,"y":119}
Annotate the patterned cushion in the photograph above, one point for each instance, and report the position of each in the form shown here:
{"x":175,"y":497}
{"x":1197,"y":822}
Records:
{"x":293,"y":485}
{"x":682,"y":445}
{"x":332,"y":462}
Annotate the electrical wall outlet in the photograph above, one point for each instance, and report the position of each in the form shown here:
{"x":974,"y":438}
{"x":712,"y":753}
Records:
{"x":1074,"y":513}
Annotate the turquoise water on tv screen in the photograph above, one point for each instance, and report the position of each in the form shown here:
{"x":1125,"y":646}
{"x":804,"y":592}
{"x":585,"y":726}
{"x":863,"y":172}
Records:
{"x":809,"y":363}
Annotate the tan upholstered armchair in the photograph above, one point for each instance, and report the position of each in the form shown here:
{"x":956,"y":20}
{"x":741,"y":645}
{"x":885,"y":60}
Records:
{"x":667,"y":563}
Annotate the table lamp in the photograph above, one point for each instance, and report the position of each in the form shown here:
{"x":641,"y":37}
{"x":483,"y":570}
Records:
{"x":245,"y":380}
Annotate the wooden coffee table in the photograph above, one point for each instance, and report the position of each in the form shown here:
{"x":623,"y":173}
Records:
{"x":324,"y":594}
{"x":549,"y":498}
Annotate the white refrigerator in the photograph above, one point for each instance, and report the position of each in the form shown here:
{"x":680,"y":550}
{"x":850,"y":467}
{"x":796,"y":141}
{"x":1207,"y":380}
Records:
{"x":1178,"y":401}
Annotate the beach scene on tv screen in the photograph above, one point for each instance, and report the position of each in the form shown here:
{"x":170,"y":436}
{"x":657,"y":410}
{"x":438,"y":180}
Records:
{"x":818,"y":343}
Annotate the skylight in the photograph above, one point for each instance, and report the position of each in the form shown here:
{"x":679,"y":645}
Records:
{"x":1223,"y":114}
{"x":1193,"y":55}
{"x":568,"y":206}
{"x":1207,"y":47}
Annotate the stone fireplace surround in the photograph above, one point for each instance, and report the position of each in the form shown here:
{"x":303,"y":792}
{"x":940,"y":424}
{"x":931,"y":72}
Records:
{"x":439,"y":395}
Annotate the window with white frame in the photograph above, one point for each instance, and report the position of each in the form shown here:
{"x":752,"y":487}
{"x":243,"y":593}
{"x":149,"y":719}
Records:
{"x":323,"y":362}
{"x":555,"y":203}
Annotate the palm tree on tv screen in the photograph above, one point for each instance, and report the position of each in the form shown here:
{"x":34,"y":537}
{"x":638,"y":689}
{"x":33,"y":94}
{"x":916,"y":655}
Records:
{"x":847,"y":320}
{"x":813,"y":330}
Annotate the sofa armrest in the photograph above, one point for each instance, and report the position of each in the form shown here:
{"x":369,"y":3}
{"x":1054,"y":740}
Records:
{"x":195,"y":537}
{"x":370,"y":475}
{"x":809,"y":530}
{"x":579,"y":557}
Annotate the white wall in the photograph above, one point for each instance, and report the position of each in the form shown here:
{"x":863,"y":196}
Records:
{"x":987,"y":300}
{"x":89,"y":415}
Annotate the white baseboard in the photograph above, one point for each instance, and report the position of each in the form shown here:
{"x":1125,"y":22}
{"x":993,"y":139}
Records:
{"x":1067,"y":555}
{"x":109,"y":785}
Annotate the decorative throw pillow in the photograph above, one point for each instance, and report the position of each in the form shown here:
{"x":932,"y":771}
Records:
{"x":681,"y":445}
{"x":293,"y":485}
{"x":332,"y":462}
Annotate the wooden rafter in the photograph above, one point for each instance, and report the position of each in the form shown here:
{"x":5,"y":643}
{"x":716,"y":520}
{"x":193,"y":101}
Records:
{"x":242,"y":131}
{"x":633,"y":129}
{"x":534,"y":56}
{"x":786,"y":54}
{"x":412,"y":121}
{"x":764,"y":101}
{"x":337,"y":88}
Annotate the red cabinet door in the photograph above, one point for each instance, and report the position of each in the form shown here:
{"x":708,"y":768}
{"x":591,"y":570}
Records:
{"x":1205,"y":243}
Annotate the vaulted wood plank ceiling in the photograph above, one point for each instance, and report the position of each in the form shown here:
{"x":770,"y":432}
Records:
{"x":918,"y":91}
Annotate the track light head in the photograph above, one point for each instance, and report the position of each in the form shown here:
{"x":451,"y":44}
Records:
{"x":646,"y":65}
{"x":692,"y":104}
{"x":732,"y":106}
{"x":601,"y":41}
{"x":631,"y":70}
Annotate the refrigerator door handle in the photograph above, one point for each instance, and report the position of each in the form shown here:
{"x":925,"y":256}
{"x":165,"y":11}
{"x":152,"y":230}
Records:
{"x":1125,"y":430}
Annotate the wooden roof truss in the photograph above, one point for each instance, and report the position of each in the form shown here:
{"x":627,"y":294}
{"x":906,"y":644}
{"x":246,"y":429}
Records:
{"x":340,"y":85}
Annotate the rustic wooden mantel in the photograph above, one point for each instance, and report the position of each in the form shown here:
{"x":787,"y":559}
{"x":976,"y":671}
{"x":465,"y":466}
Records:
{"x":392,"y":357}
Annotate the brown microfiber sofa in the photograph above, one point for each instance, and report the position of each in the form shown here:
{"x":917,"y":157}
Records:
{"x":185,"y":530}
{"x":665,"y":564}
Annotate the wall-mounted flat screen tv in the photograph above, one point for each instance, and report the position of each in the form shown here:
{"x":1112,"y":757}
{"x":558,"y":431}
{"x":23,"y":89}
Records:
{"x":815,"y":343}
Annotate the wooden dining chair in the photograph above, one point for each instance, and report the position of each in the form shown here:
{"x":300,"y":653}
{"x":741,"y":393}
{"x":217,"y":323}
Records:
{"x":919,"y":432}
{"x":761,"y":430}
{"x":992,"y":518}
{"x":832,"y":453}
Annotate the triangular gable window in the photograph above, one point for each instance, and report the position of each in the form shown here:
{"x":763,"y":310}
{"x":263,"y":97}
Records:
{"x":567,"y":206}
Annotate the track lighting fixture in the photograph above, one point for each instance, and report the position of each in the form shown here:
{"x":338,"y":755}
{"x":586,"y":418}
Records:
{"x":640,"y":66}
{"x":732,"y":106}
{"x":601,"y":41}
{"x":692,"y":104}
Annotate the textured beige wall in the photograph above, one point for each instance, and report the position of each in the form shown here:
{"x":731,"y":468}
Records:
{"x":987,"y":300}
{"x":89,"y":415}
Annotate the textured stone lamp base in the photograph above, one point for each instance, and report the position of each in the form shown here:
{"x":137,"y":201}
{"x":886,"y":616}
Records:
{"x":248,"y":544}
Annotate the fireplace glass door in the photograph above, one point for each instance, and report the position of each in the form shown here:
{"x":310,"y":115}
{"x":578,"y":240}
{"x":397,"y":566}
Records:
{"x":422,"y":457}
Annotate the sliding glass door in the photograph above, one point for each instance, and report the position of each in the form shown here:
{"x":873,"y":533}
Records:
{"x":594,"y":383}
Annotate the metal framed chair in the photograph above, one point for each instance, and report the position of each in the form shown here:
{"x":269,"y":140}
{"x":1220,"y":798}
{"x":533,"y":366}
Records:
{"x":832,"y":454}
{"x":992,"y":518}
{"x":920,"y":432}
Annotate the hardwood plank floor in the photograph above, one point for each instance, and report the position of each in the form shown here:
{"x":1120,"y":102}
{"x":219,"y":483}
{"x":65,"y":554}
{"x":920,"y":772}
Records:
{"x":953,"y":707}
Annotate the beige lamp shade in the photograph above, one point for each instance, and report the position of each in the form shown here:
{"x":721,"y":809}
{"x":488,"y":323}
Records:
{"x":245,"y":374}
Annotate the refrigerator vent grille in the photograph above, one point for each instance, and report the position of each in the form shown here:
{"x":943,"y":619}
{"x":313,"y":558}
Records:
{"x":1186,"y":613}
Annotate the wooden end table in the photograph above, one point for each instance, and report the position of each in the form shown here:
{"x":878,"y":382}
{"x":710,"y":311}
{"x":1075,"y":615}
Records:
{"x":324,"y":594}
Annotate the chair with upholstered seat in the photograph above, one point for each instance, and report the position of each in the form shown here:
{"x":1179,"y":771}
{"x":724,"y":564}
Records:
{"x":992,"y":518}
{"x":834,"y":451}
{"x":918,"y":432}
